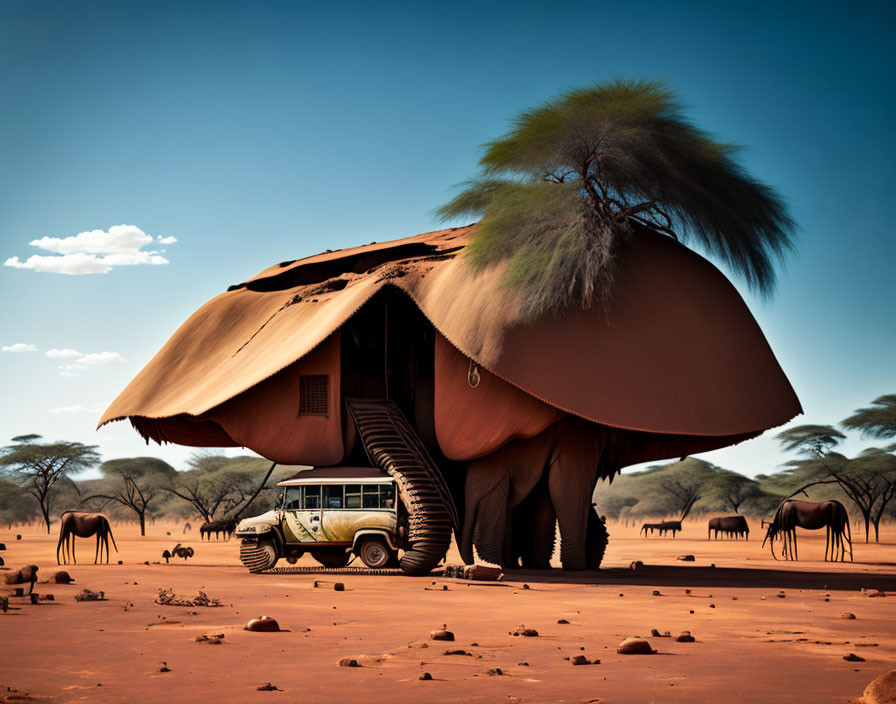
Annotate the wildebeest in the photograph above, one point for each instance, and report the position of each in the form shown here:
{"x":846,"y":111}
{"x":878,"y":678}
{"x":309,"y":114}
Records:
{"x":227,"y":526}
{"x":661,"y":528}
{"x":792,"y":514}
{"x":83,"y":525}
{"x":731,"y":526}
{"x":23,"y":575}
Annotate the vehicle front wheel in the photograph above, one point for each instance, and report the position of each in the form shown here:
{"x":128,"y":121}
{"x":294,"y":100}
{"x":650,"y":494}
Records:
{"x":260,"y":556}
{"x":374,"y":552}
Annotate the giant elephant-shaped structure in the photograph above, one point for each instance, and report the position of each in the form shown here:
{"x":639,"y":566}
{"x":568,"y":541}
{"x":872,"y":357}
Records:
{"x":520,"y":419}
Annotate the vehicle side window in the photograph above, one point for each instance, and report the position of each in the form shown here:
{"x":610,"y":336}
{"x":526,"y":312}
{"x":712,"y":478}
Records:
{"x":333,"y":496}
{"x":352,"y":496}
{"x":371,"y":496}
{"x":387,"y":496}
{"x":293,"y":498}
{"x":312,"y":497}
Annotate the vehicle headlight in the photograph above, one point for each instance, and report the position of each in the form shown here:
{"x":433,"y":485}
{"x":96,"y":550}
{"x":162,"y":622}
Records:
{"x":247,"y":529}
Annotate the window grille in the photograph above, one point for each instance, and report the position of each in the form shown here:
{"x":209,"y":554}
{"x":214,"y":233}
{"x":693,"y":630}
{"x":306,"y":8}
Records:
{"x":314,"y":391}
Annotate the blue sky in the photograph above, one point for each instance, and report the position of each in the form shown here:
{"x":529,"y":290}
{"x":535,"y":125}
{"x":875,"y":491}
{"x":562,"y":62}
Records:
{"x":252,"y":133}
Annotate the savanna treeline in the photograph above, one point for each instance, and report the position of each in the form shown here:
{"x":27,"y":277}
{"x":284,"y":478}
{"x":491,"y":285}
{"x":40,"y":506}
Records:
{"x":39,"y":480}
{"x":865,"y":484}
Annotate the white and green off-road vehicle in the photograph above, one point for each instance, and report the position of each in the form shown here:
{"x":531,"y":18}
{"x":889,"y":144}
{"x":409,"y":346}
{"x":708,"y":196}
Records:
{"x":331,"y":513}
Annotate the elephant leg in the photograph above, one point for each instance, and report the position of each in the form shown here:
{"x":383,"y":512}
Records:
{"x":571,"y":480}
{"x":486,"y":507}
{"x":544,"y":531}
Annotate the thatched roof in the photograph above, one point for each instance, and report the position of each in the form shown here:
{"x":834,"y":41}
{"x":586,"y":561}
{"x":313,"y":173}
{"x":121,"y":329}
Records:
{"x":677,"y":351}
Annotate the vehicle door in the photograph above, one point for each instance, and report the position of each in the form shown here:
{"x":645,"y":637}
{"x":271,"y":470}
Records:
{"x":302,"y":514}
{"x":360,"y":506}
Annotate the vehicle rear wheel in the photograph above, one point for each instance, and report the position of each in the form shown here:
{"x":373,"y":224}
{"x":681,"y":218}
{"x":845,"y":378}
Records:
{"x":374,"y":552}
{"x":260,"y":556}
{"x":331,"y":558}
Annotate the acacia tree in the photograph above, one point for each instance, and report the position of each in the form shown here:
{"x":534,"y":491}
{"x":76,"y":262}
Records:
{"x":878,"y":421}
{"x":578,"y":175}
{"x":136,"y":483}
{"x":734,"y":489}
{"x":39,"y":468}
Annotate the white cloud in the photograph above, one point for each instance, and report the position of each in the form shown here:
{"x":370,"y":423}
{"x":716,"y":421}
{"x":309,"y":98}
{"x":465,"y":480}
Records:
{"x":66,"y":353}
{"x":93,"y":252}
{"x":72,"y":410}
{"x":19,"y":347}
{"x":93,"y":359}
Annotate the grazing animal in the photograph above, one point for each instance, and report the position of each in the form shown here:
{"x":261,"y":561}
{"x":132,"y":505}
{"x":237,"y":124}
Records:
{"x":792,"y":514}
{"x":184,"y":552}
{"x":23,"y":575}
{"x":661,"y":528}
{"x":84,"y":525}
{"x":730,"y":526}
{"x":227,"y":527}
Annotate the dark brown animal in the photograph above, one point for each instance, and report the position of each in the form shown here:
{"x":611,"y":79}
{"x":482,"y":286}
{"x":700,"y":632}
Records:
{"x":227,"y":527}
{"x":792,"y":514}
{"x":661,"y":528}
{"x":184,"y":552}
{"x":23,"y":575}
{"x":730,"y":526}
{"x":84,"y":525}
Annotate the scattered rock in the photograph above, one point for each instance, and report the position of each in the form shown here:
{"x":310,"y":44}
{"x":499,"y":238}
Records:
{"x":216,"y":639}
{"x":562,"y":620}
{"x":852,"y":657}
{"x":656,"y":634}
{"x":634,"y":646}
{"x":712,"y":606}
{"x":167,"y":597}
{"x":686,"y":558}
{"x":89,"y":595}
{"x":442,"y":634}
{"x":263,"y":624}
{"x":338,"y":587}
{"x":457,"y":652}
{"x":686,"y":637}
{"x":267,"y":687}
{"x":523,"y":664}
{"x":425,"y":676}
{"x":881,"y":690}
{"x":780,"y":595}
{"x":849,"y":615}
{"x":61,"y":577}
{"x":525,"y":586}
{"x":636,"y":565}
{"x":495,"y":671}
{"x":526,"y":632}
{"x":349,"y":662}
{"x":873,"y":592}
{"x":656,"y":592}
{"x":164,"y":667}
{"x":582,"y":660}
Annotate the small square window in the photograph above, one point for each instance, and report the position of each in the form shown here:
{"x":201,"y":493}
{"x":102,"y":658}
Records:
{"x":314,"y":392}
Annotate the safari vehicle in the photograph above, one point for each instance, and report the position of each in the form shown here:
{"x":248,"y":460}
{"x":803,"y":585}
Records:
{"x":331,"y":513}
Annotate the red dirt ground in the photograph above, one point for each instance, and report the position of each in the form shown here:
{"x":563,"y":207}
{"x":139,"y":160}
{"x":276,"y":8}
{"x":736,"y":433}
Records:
{"x":751,"y":645}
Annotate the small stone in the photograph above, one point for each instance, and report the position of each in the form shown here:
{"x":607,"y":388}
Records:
{"x":266,"y":687}
{"x":338,"y":587}
{"x":525,"y":586}
{"x":634,"y":646}
{"x":425,"y":676}
{"x":686,"y":637}
{"x":263,"y":624}
{"x":636,"y":565}
{"x":348,"y":662}
{"x":621,"y":594}
{"x":494,"y":672}
{"x":442,"y":634}
{"x":523,"y":664}
{"x":852,"y":657}
{"x":579,"y":660}
{"x":526,"y":632}
{"x":562,"y":620}
{"x":687,"y":591}
{"x":780,"y":595}
{"x":457,"y":652}
{"x":164,"y":667}
{"x":686,"y":558}
{"x":712,"y":606}
{"x":691,"y":611}
{"x":61,"y":577}
{"x":873,"y":592}
{"x":849,"y":615}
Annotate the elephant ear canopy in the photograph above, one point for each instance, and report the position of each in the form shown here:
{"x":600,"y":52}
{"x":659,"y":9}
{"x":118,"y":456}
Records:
{"x":676,"y":351}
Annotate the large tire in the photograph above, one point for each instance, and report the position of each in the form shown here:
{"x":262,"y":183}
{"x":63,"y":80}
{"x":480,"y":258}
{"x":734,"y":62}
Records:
{"x":331,"y":558}
{"x":260,"y":556}
{"x":596,"y":540}
{"x":374,"y":552}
